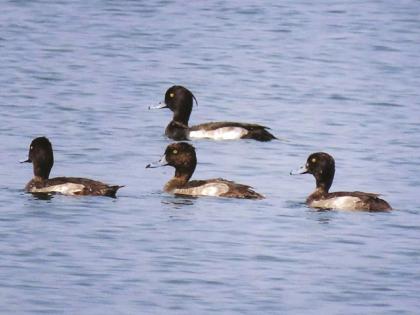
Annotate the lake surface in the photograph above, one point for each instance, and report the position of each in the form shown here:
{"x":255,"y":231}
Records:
{"x":335,"y":76}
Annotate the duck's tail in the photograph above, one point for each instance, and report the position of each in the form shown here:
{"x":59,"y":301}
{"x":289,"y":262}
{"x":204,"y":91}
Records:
{"x":259,"y":133}
{"x":111,"y":191}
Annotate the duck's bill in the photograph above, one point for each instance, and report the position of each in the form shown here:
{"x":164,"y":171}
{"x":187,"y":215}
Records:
{"x":159,"y":106}
{"x":300,"y":170}
{"x":161,"y":162}
{"x":25,"y":161}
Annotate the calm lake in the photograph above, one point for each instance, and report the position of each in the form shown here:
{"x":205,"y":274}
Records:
{"x":336,"y":76}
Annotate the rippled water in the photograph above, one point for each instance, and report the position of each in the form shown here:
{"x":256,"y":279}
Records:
{"x":336,"y":76}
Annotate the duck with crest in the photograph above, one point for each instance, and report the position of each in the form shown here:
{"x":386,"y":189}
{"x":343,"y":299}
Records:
{"x":180,"y":101}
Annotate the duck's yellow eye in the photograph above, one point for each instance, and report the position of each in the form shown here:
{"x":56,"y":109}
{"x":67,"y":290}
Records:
{"x":171,"y":95}
{"x":31,"y":148}
{"x":313,"y":160}
{"x":175,"y":151}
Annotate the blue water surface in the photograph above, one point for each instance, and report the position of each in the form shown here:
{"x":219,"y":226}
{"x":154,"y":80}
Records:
{"x":335,"y":76}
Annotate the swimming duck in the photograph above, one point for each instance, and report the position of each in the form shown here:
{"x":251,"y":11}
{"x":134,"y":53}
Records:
{"x":322,"y":166}
{"x":182,"y":157}
{"x":42,"y":158}
{"x":180,"y":101}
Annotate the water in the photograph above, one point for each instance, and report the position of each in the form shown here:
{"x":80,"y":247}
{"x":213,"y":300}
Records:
{"x":337,"y":76}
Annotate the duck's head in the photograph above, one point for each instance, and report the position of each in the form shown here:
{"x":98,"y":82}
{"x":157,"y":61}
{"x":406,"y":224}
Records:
{"x":180,"y":101}
{"x":322,"y":166}
{"x":181,"y":156}
{"x":41,"y":156}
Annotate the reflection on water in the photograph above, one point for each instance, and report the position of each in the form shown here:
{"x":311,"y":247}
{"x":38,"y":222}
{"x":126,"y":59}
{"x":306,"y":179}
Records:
{"x":321,"y":215}
{"x":178,"y":201}
{"x":43,"y":196}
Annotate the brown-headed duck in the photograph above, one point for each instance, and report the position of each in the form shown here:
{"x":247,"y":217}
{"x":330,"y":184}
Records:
{"x":42,"y":158}
{"x":322,"y":166}
{"x":182,"y":157}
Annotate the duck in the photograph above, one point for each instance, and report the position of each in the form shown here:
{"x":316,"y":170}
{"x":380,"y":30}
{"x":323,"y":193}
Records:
{"x":182,"y":156}
{"x":42,"y":157}
{"x":180,"y":101}
{"x":322,"y":166}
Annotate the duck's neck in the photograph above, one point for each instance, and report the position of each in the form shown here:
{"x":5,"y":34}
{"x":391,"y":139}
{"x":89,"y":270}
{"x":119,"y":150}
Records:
{"x":181,"y":178}
{"x":38,"y":179}
{"x":322,"y":187}
{"x":324,"y":180}
{"x":41,"y":171}
{"x":182,"y":111}
{"x":182,"y":117}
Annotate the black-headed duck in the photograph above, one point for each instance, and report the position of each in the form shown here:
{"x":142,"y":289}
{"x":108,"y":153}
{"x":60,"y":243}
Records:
{"x":322,"y":166}
{"x":180,"y":101}
{"x":182,"y":157}
{"x":42,"y":158}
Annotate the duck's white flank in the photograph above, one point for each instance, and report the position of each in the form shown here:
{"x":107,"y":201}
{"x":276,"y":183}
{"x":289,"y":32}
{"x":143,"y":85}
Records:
{"x":209,"y":189}
{"x":224,"y":133}
{"x":340,"y":203}
{"x":65,"y":189}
